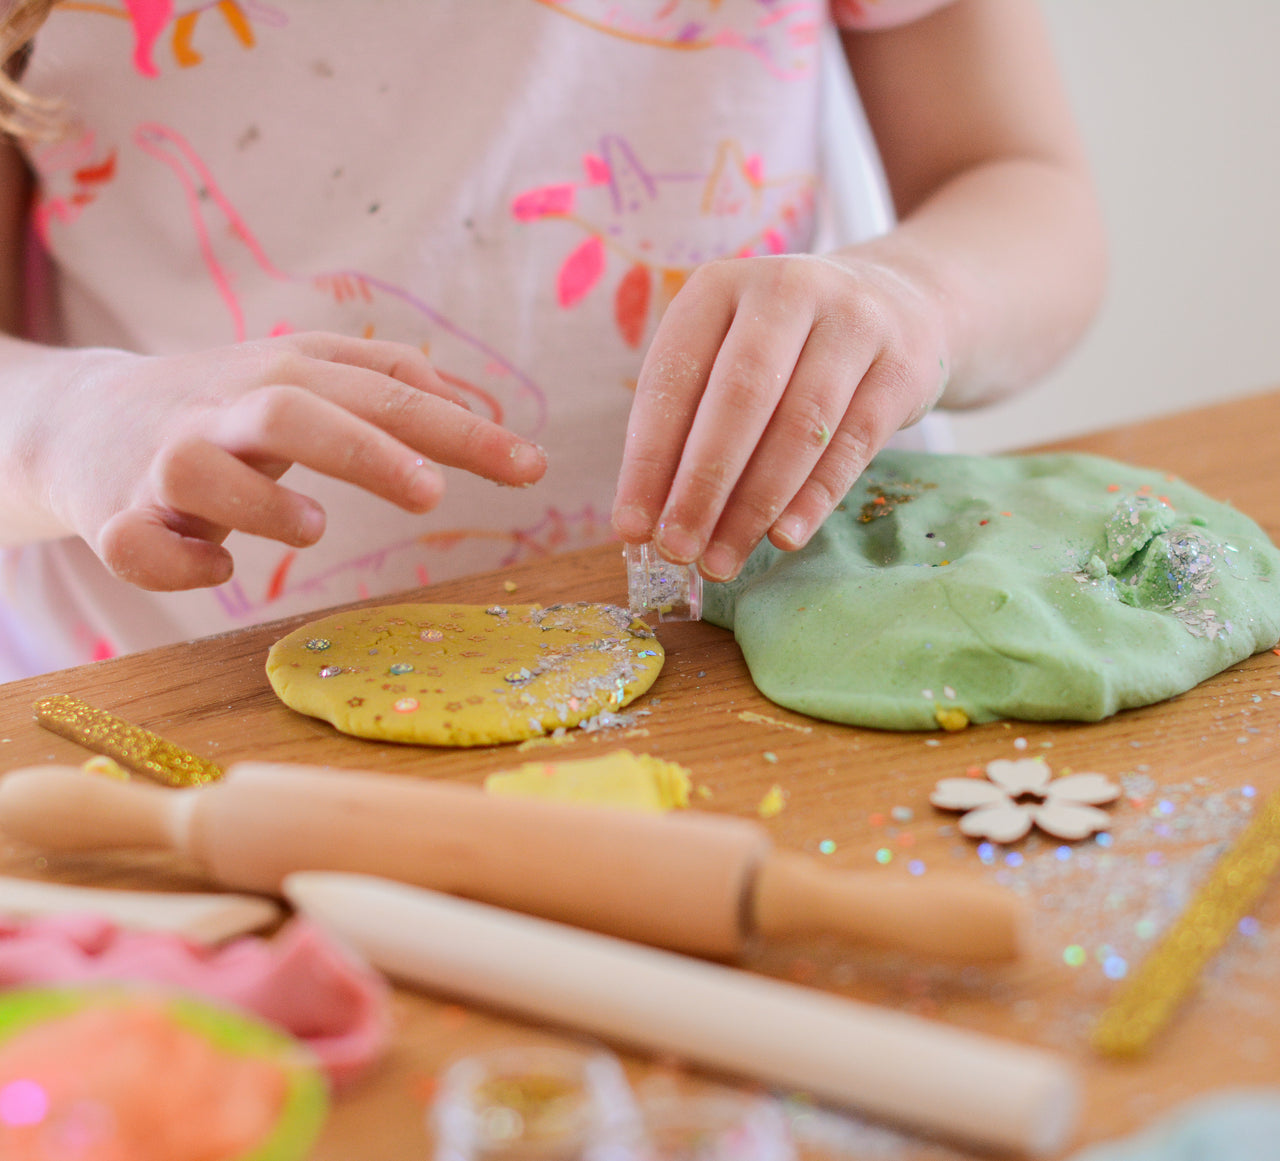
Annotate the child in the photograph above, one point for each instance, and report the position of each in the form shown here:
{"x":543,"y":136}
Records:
{"x":357,"y":242}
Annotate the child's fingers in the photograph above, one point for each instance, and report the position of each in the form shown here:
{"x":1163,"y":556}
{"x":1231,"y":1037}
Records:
{"x":752,"y":374}
{"x":808,"y":427}
{"x":408,"y":365}
{"x":671,"y":384}
{"x":881,"y":406}
{"x":208,"y":492}
{"x":276,"y":426}
{"x":138,"y":547}
{"x":425,"y":422}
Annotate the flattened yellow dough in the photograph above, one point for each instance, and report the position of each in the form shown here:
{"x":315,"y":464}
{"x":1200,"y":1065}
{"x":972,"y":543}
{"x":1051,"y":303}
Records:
{"x":463,"y":675}
{"x":620,"y":779}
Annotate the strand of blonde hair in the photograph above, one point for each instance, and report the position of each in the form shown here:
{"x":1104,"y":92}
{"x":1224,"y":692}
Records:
{"x":21,"y":113}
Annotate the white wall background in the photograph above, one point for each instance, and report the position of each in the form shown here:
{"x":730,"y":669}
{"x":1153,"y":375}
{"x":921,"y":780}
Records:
{"x":1179,"y":104}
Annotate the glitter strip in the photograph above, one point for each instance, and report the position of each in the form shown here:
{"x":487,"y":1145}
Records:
{"x":130,"y":745}
{"x":1153,"y":993}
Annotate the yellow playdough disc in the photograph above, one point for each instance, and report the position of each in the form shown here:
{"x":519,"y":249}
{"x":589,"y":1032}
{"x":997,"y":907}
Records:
{"x":462,"y":675}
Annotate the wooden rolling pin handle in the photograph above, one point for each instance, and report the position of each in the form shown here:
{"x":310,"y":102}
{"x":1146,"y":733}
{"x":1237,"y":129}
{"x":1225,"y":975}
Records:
{"x":950,"y":918}
{"x":61,"y":808}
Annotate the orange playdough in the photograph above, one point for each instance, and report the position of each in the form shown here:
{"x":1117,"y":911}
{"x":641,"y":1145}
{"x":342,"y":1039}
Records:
{"x":129,"y":1084}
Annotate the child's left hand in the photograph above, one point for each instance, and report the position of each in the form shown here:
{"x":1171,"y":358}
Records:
{"x":770,"y":384}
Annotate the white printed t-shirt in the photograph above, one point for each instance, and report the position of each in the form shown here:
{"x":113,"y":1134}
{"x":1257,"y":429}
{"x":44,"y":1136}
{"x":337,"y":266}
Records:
{"x":516,"y":186}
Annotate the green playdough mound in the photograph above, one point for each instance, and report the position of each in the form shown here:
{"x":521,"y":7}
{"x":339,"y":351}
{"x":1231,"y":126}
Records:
{"x":1038,"y":587}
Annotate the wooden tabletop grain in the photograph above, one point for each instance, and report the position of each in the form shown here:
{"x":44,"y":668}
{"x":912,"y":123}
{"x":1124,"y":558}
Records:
{"x":856,"y":798}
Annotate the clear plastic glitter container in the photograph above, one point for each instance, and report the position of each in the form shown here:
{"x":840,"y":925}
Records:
{"x":674,"y":591}
{"x":536,"y":1104}
{"x":725,"y":1126}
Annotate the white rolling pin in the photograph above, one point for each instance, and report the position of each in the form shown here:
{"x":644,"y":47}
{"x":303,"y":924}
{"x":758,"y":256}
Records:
{"x":199,"y":917}
{"x":919,"y":1073}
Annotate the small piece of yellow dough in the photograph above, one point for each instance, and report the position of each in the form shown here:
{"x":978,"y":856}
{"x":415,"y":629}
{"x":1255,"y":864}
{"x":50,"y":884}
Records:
{"x":107,"y":767}
{"x":772,"y":803}
{"x":619,"y":779}
{"x":951,"y":718}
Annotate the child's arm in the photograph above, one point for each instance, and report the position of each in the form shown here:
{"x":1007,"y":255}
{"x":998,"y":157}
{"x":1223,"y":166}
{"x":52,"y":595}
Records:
{"x":771,"y":382}
{"x":153,"y":460}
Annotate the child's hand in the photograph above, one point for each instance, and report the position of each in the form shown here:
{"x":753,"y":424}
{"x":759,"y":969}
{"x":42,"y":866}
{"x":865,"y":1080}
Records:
{"x":770,"y":384}
{"x":153,"y":461}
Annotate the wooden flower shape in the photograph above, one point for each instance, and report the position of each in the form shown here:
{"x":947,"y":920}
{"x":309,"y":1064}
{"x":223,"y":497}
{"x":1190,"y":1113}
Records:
{"x":1019,"y":794}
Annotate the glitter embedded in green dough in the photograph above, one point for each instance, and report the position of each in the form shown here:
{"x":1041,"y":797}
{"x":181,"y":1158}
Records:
{"x":1074,"y":586}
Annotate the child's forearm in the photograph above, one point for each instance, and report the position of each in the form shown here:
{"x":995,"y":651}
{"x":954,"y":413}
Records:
{"x":1011,"y":254}
{"x":32,"y":384}
{"x":1000,"y":227}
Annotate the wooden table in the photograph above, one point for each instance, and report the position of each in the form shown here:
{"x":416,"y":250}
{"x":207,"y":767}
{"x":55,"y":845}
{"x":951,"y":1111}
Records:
{"x":852,"y":797}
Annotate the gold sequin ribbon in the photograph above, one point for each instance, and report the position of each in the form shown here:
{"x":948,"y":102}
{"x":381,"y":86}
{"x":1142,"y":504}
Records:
{"x":1153,"y":993}
{"x":130,"y":745}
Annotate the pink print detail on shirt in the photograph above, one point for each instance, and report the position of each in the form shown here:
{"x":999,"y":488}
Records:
{"x":150,"y":19}
{"x":71,"y":174}
{"x":234,"y":258}
{"x":634,"y":216}
{"x":779,"y":33}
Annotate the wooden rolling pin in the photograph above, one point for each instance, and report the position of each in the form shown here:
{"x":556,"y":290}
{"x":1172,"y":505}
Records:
{"x":977,"y":1089}
{"x":693,"y":882}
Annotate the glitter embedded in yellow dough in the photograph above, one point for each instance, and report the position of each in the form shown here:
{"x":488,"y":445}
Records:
{"x":464,"y":675}
{"x":620,"y":779}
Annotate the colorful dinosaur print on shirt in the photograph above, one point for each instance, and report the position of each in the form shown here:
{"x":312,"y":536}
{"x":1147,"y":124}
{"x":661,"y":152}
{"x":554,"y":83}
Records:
{"x":643,"y":222}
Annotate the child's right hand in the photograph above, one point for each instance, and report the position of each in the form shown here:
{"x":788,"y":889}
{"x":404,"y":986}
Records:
{"x":154,"y":460}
